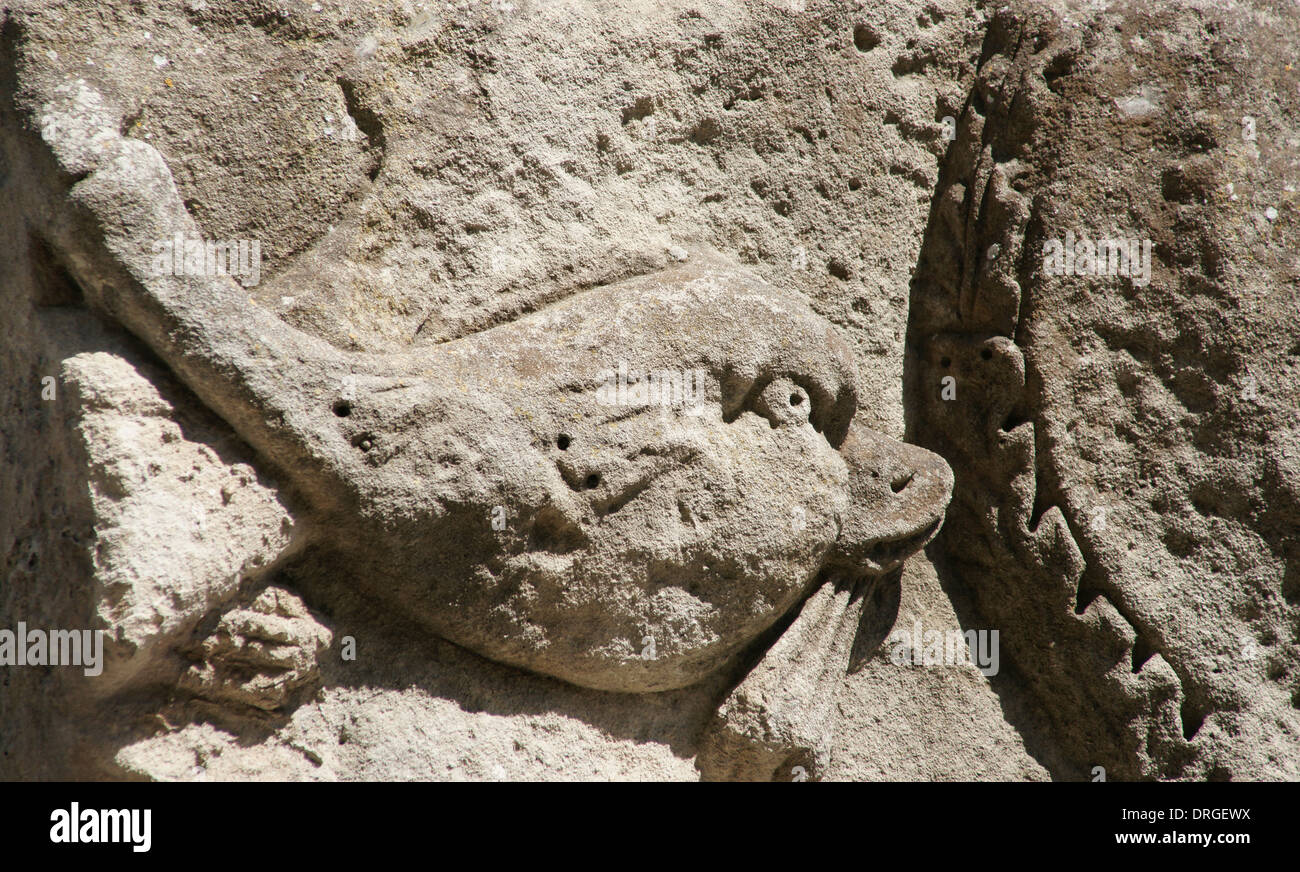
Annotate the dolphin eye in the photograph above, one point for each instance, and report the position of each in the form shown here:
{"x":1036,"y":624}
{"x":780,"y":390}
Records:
{"x":783,"y":402}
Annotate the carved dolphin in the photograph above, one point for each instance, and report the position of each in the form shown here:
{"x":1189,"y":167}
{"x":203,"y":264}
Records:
{"x":635,"y":547}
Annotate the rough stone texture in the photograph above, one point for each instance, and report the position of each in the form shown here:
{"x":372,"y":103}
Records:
{"x":935,"y":723}
{"x":259,"y":655}
{"x":469,"y":212}
{"x":1126,"y":497}
{"x":416,"y":172}
{"x":176,"y":526}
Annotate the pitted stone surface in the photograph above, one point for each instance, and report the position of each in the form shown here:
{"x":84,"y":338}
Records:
{"x":620,"y":521}
{"x":490,"y":231}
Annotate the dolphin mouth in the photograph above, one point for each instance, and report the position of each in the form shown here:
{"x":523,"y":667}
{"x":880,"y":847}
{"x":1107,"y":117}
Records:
{"x":886,"y":555}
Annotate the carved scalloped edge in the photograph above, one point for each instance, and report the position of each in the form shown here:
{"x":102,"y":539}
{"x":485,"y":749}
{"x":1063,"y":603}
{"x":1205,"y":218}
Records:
{"x":1071,"y":643}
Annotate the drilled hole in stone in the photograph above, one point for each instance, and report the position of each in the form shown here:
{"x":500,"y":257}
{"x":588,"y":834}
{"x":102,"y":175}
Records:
{"x":593,"y":481}
{"x":865,"y":38}
{"x":562,"y":442}
{"x":343,"y":408}
{"x":796,"y":399}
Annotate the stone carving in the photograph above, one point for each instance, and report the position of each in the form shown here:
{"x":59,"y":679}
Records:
{"x":449,"y":182}
{"x":1053,"y":533}
{"x":259,"y":655}
{"x":635,"y":548}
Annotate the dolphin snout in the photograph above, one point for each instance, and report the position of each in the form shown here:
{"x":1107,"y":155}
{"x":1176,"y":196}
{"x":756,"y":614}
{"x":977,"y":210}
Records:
{"x":898,"y":495}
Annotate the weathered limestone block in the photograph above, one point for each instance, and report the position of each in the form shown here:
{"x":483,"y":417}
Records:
{"x":178,"y":526}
